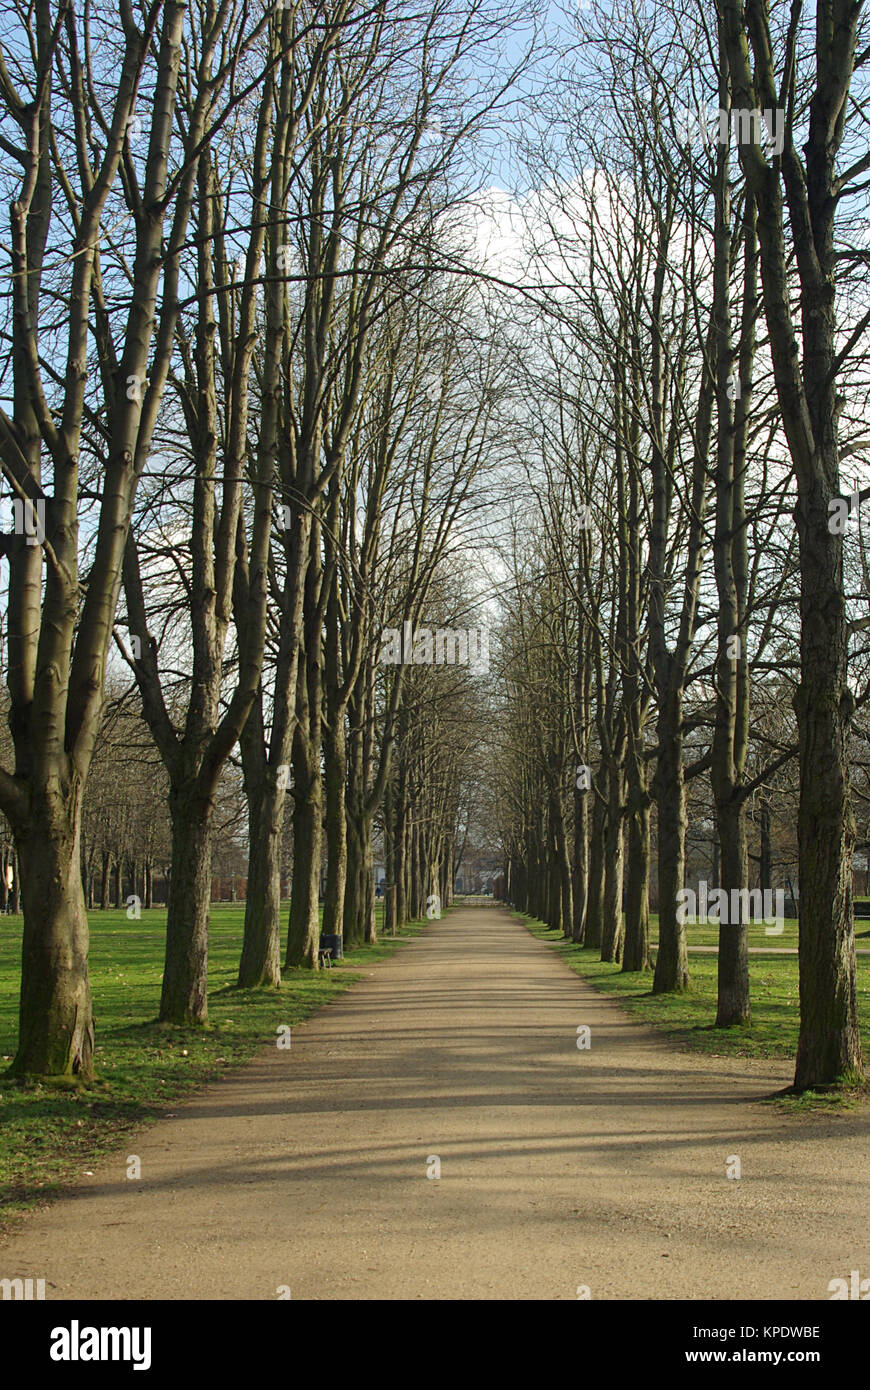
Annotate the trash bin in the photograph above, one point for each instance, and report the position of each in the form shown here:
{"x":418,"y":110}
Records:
{"x":332,"y":944}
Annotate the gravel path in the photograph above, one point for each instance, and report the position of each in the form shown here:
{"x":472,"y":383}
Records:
{"x":559,"y":1167}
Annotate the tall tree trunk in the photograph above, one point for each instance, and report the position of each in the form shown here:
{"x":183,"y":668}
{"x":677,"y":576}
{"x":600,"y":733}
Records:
{"x":56,"y":1028}
{"x":266,"y":770}
{"x":400,"y":850}
{"x":418,"y":873}
{"x":554,"y":880}
{"x":355,"y":795}
{"x":829,"y":1047}
{"x":371,"y":933}
{"x":105,"y":880}
{"x":672,"y":962}
{"x":764,"y":873}
{"x":580,"y":864}
{"x":354,"y":923}
{"x":809,"y":389}
{"x":334,"y":760}
{"x":567,"y":898}
{"x":184,"y":997}
{"x":304,"y":932}
{"x":614,"y":852}
{"x":260,"y":962}
{"x":731,"y":732}
{"x":595,"y":905}
{"x":733,"y":971}
{"x":635,"y":955}
{"x":335,"y":697}
{"x":16,"y":884}
{"x":407,"y":886}
{"x":563,"y":869}
{"x":389,"y":861}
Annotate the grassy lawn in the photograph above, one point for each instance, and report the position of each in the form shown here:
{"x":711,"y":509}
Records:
{"x":48,"y":1137}
{"x":707,"y":933}
{"x":687,"y":1019}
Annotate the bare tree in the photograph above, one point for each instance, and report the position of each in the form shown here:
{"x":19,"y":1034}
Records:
{"x":78,"y":181}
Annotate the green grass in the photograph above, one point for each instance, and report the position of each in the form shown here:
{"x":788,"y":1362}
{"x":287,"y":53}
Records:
{"x":707,"y":934}
{"x":688,"y":1019}
{"x":49,"y":1137}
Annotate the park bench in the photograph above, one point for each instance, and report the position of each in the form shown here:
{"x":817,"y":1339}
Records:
{"x":330,"y":949}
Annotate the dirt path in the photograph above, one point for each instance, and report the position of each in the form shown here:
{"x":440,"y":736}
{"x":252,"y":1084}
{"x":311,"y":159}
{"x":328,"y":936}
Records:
{"x":559,"y":1167}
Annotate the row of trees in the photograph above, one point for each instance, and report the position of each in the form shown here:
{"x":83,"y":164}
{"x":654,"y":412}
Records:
{"x":248,"y":396}
{"x":259,"y":388}
{"x":697,"y":386}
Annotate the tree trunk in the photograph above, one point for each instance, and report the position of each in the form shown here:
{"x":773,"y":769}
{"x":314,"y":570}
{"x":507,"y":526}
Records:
{"x":334,"y":759}
{"x":56,"y":1027}
{"x":260,"y":962}
{"x":399,"y":855}
{"x":764,"y":866}
{"x":355,"y":886}
{"x":733,"y":968}
{"x":419,"y":873}
{"x":371,"y":933}
{"x":580,"y":867}
{"x":731,"y":732}
{"x":354,"y":924}
{"x":829,"y":1047}
{"x":303,"y":938}
{"x":595,"y":905}
{"x":389,"y":863}
{"x":554,"y":876}
{"x":406,"y":865}
{"x":811,"y":399}
{"x":16,"y":884}
{"x":672,"y":962}
{"x":614,"y":851}
{"x":184,"y":998}
{"x":635,"y":954}
{"x":104,"y":881}
{"x":304,"y":932}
